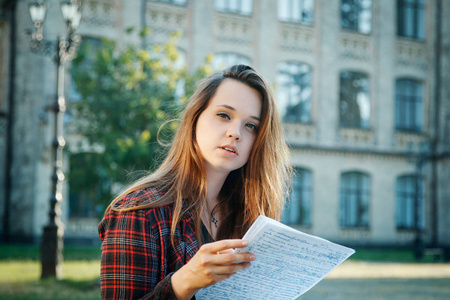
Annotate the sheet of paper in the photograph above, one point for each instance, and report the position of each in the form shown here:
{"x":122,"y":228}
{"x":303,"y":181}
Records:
{"x":288,"y":263}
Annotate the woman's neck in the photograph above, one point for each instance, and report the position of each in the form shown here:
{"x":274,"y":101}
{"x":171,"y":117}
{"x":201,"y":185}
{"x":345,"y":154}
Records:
{"x":211,"y":218}
{"x":214,"y":183}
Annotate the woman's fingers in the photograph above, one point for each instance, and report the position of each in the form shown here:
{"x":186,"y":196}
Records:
{"x":231,"y":269}
{"x":224,"y":245}
{"x":233,"y":258}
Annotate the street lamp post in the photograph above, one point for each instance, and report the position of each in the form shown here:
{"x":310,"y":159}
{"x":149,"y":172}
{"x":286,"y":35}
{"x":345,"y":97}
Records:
{"x":420,"y":158}
{"x":418,"y":207}
{"x":62,"y":50}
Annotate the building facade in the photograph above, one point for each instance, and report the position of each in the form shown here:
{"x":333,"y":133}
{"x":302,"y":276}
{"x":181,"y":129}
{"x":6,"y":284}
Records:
{"x":362,"y":88}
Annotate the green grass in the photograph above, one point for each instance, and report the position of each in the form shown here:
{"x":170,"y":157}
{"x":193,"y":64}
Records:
{"x":389,"y":255}
{"x":19,"y":252}
{"x":21,"y":269}
{"x":383,"y":255}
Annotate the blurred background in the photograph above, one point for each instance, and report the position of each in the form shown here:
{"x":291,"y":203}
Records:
{"x":362,"y":88}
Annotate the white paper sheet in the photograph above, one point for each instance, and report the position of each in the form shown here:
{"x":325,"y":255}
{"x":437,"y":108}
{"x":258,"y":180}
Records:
{"x":288,"y":263}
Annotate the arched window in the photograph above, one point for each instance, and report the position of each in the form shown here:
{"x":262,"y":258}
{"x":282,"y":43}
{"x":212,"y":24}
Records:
{"x":354,"y":199}
{"x":294,"y":91}
{"x":354,"y":100}
{"x":410,"y":199}
{"x":301,"y":11}
{"x":227,"y":59}
{"x":356,"y":15}
{"x":298,"y":209}
{"x":408,"y":105}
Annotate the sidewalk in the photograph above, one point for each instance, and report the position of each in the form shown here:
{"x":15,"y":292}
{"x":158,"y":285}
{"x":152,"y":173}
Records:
{"x":373,"y":281}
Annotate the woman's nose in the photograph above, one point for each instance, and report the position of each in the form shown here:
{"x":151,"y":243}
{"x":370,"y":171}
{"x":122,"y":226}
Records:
{"x":234,"y":132}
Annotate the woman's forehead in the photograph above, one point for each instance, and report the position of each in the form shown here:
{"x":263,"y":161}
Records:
{"x":235,"y":95}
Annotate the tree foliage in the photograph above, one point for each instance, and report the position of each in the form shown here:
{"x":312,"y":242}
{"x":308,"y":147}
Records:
{"x":126,"y":94}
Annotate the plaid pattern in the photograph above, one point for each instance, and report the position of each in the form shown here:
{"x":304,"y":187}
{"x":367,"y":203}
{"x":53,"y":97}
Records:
{"x":138,"y":258}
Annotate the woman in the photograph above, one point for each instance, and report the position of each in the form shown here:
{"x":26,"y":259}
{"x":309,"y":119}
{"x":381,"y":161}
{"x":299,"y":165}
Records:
{"x":173,"y":232}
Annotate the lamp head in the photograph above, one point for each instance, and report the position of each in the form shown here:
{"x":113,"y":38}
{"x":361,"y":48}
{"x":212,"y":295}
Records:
{"x":38,"y":11}
{"x":71,"y":11}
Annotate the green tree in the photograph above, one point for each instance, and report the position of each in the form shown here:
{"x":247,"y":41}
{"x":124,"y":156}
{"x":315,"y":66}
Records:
{"x":127,"y":93}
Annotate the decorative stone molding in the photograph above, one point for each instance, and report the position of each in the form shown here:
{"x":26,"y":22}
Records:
{"x":355,"y":46}
{"x":356,"y":136}
{"x":100,"y":12}
{"x":233,"y":29}
{"x":82,"y":227}
{"x":296,"y":38}
{"x":298,"y":133}
{"x":409,"y":141}
{"x":405,"y":236}
{"x":166,"y":18}
{"x":356,"y":234}
{"x":411,"y":54}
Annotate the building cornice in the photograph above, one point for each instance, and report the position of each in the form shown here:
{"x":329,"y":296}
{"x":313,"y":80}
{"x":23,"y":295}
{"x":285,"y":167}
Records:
{"x":408,"y":155}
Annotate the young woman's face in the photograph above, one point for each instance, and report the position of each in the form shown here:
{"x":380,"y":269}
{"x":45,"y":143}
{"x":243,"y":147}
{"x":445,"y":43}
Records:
{"x":227,"y":128}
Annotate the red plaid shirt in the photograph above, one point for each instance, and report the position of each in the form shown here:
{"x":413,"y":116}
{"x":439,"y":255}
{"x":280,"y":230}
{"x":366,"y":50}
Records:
{"x":137,"y":255}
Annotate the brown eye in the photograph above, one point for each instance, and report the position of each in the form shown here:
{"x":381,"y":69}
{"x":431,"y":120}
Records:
{"x":252,"y":126}
{"x":224,"y":116}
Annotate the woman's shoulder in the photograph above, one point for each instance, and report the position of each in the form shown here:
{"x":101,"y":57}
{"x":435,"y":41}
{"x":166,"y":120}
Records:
{"x":135,"y":210}
{"x":138,"y":198}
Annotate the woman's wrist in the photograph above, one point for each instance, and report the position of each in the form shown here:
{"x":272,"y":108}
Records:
{"x":181,"y":286}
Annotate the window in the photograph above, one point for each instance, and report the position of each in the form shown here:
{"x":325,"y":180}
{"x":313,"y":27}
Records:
{"x":224,"y":60}
{"x":294,"y":92}
{"x":180,"y":63}
{"x":175,"y":62}
{"x":354,"y":100}
{"x":298,"y":210}
{"x":243,"y":7}
{"x":179,"y":2}
{"x":87,"y":190}
{"x":301,"y":11}
{"x":411,"y":19}
{"x":87,"y":53}
{"x":408,"y":105}
{"x":410,"y":197}
{"x":354,"y":199}
{"x":356,"y":15}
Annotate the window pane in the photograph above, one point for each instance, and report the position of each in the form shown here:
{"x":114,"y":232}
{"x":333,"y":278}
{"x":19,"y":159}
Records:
{"x":296,"y":11}
{"x":298,"y":209}
{"x":88,"y":50}
{"x":410,"y":198}
{"x":180,"y":2}
{"x":308,"y":11}
{"x":294,"y":92}
{"x":224,"y":60}
{"x":354,"y":199}
{"x":356,"y":15}
{"x":283,"y":10}
{"x":365,"y":16}
{"x":247,"y":7}
{"x":235,"y":6}
{"x":411,"y":18}
{"x":220,"y":5}
{"x":409,"y":105}
{"x":354,"y":102}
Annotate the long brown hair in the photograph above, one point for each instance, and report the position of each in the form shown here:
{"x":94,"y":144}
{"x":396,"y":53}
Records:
{"x":253,"y":190}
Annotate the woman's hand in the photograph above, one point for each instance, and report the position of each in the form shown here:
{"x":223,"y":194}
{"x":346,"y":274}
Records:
{"x":212,"y":263}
